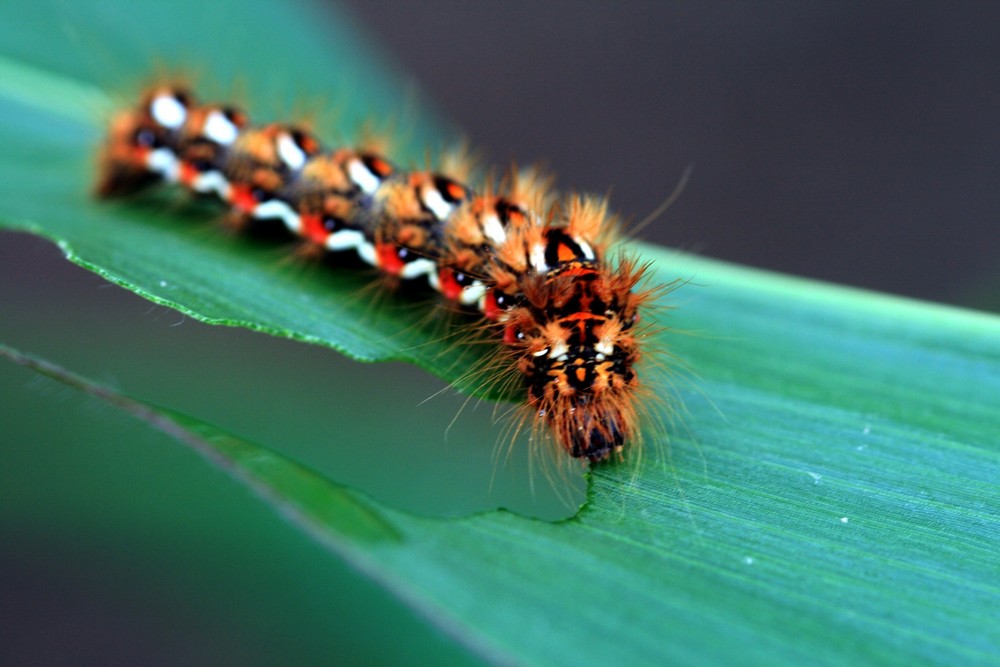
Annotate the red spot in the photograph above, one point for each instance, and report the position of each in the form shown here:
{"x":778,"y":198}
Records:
{"x":237,"y":118}
{"x":456,"y":192}
{"x":188,"y":174}
{"x":141,"y":155}
{"x":387,"y":257}
{"x":241,"y":198}
{"x":490,"y":308}
{"x":510,"y":335}
{"x":449,"y":286}
{"x":312,"y":228}
{"x":306,"y":142}
{"x":381,"y":168}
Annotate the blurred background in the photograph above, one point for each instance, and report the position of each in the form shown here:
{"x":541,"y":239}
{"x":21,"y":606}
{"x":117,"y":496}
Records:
{"x":852,"y":142}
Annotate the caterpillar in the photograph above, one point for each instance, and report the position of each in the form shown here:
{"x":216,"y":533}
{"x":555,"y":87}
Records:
{"x":533,"y":267}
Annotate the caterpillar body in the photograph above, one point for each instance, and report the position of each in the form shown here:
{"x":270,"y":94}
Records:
{"x":533,"y":267}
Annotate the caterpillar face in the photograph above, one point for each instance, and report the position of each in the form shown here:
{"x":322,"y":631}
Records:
{"x":582,"y":392}
{"x":577,"y":353}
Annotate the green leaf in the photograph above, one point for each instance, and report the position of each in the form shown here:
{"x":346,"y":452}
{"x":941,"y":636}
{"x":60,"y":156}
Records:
{"x":119,"y":545}
{"x":292,"y":488}
{"x":830,"y":495}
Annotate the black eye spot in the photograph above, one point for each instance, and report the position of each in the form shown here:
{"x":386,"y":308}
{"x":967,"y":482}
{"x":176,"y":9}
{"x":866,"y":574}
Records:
{"x":501,"y":300}
{"x":201,"y":166}
{"x":145,"y":137}
{"x":331,"y":224}
{"x":402,"y":252}
{"x":260,"y":194}
{"x":462,"y":279}
{"x":183,"y":98}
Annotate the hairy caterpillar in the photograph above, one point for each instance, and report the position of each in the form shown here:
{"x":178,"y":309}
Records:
{"x":535,"y":268}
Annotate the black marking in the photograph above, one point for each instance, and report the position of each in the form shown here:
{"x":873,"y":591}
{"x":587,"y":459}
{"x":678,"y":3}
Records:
{"x":556,"y":239}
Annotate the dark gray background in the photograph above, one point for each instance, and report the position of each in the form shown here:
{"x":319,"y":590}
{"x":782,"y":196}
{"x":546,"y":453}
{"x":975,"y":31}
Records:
{"x":852,"y":142}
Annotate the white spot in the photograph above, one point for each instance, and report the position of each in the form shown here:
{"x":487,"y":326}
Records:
{"x":168,"y":111}
{"x":220,"y":129}
{"x":605,"y":347}
{"x":599,"y":357}
{"x":748,"y":560}
{"x":493,"y":229}
{"x":162,"y":161}
{"x":815,"y":476}
{"x":559,"y":350}
{"x":861,"y":448}
{"x":866,"y":430}
{"x":434,"y":280}
{"x":290,"y":153}
{"x":366,"y":251}
{"x":163,"y":283}
{"x":588,"y":252}
{"x":540,"y":353}
{"x":363,"y":177}
{"x":345,"y":239}
{"x":418,"y":267}
{"x":436,"y":203}
{"x":275,"y":208}
{"x":537,"y":258}
{"x":844,"y":519}
{"x":212,"y":181}
{"x":472,"y":294}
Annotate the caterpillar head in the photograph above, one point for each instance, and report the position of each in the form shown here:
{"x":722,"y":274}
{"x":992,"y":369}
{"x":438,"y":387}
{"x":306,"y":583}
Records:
{"x":575,"y":347}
